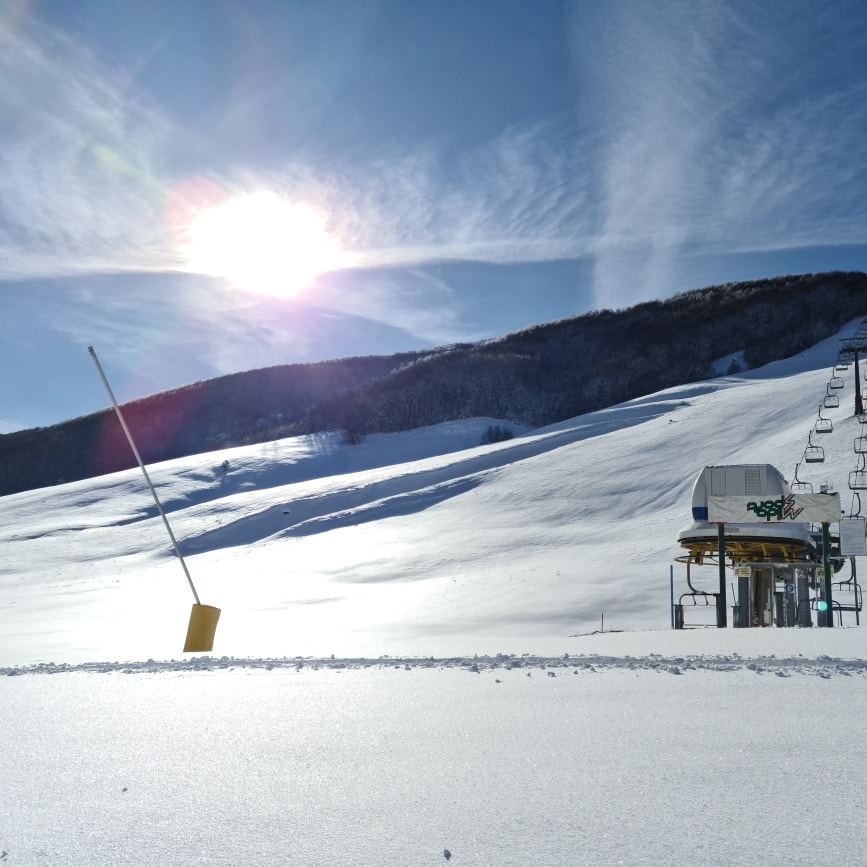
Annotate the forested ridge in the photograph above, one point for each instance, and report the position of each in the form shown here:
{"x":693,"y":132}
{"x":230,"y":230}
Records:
{"x":537,"y":376}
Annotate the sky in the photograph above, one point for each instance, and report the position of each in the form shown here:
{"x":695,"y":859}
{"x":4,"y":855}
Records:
{"x":206,"y":187}
{"x":411,"y":641}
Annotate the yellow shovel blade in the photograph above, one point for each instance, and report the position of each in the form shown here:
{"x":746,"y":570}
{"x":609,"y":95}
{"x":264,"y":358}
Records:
{"x":203,"y":625}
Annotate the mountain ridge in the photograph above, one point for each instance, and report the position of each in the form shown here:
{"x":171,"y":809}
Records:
{"x":533,"y":377}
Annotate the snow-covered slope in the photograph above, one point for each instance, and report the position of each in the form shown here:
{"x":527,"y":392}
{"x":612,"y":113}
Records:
{"x":414,"y":543}
{"x":404,"y":557}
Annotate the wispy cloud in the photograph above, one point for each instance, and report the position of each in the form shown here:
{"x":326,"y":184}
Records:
{"x":698,"y":128}
{"x":727,"y":128}
{"x":85,"y":175}
{"x":522,"y":197}
{"x":79,"y":162}
{"x":86,"y":169}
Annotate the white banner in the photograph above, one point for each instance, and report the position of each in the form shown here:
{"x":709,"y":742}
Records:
{"x":801,"y":508}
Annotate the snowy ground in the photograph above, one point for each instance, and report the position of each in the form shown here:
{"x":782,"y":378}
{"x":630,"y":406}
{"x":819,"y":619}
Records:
{"x":408,"y":659}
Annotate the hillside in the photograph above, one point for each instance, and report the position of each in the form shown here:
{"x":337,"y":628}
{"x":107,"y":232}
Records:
{"x":410,"y":646}
{"x":535,"y":377}
{"x":409,"y":543}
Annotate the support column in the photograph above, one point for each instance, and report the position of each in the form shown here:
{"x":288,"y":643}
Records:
{"x":721,"y":604}
{"x":744,"y":620}
{"x":859,"y":403}
{"x":671,"y":589}
{"x":805,"y":617}
{"x":826,"y":562}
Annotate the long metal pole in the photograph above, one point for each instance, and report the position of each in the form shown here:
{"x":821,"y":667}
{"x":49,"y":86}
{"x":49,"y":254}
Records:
{"x":722,"y":605}
{"x":129,"y":438}
{"x":826,"y":555}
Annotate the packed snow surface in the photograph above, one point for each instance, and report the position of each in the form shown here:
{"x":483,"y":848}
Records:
{"x":410,"y":666}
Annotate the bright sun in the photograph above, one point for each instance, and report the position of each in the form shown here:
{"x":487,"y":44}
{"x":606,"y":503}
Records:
{"x":262,"y":243}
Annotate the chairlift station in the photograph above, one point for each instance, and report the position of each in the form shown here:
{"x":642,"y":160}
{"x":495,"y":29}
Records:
{"x":782,"y":542}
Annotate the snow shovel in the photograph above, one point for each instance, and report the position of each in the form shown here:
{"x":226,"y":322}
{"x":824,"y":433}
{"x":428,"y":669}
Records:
{"x":203,"y":619}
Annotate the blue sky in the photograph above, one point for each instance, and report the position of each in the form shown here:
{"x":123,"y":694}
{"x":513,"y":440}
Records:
{"x":472,"y":167}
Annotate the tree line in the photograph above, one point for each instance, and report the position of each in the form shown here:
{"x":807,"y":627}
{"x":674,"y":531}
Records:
{"x":533,"y":377}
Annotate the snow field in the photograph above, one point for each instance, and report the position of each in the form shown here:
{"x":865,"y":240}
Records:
{"x":408,"y":658}
{"x":393,"y":763}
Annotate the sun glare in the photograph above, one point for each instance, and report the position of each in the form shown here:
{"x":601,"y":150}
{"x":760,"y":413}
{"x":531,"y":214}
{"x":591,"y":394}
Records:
{"x":262,"y":243}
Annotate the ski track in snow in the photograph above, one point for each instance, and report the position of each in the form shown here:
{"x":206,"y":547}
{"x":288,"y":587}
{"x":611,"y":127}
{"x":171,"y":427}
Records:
{"x":413,"y":491}
{"x":822,"y":666}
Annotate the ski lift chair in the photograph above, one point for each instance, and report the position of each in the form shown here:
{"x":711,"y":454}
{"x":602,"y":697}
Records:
{"x":831,"y":400}
{"x":813,"y":454}
{"x":823,"y":425}
{"x":836,"y":382}
{"x":858,"y":477}
{"x":799,"y":487}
